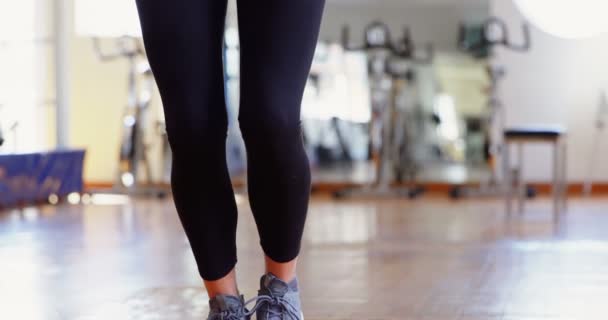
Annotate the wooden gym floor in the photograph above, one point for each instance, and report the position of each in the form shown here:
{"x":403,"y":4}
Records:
{"x":429,"y":259}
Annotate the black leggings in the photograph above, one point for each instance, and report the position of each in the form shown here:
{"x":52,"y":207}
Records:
{"x":184,"y":41}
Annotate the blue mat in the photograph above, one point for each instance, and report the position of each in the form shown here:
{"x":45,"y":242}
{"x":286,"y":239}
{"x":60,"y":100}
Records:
{"x":32,"y":177}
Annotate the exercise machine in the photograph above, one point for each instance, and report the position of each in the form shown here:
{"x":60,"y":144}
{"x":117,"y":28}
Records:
{"x":479,"y":41}
{"x":133,"y":149}
{"x":389,"y":65}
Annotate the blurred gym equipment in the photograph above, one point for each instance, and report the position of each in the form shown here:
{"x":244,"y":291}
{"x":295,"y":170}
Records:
{"x":133,"y":149}
{"x":479,"y":40}
{"x":236,"y":156}
{"x":390,"y":147}
{"x":90,"y":21}
{"x":336,"y":111}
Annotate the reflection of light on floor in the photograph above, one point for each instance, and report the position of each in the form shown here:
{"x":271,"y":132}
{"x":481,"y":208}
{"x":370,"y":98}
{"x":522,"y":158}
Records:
{"x":20,"y":283}
{"x":559,"y":280}
{"x":30,"y":214}
{"x":574,"y":246}
{"x":110,"y":199}
{"x":349,"y":226}
{"x":157,"y":303}
{"x":128,"y":220}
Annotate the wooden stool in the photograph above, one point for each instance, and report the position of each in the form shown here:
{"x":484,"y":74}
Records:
{"x":514,"y":180}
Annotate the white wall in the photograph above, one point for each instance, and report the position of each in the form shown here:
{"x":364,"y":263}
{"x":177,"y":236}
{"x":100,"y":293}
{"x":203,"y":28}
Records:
{"x":558,"y":82}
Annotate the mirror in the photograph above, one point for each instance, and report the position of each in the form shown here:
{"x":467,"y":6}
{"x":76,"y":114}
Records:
{"x":395,"y":80}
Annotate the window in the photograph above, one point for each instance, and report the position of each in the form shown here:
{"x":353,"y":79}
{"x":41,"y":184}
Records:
{"x":24,"y":48}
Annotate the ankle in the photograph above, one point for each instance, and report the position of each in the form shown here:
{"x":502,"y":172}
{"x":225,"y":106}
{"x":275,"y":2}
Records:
{"x":284,"y":271}
{"x":225,"y":286}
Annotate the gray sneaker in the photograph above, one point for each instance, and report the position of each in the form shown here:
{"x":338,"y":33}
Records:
{"x":278,"y":300}
{"x":224,"y":307}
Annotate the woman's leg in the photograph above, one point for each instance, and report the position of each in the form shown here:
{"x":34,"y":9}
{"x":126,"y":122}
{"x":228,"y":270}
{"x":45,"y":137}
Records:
{"x":278,"y":40}
{"x":183,"y":40}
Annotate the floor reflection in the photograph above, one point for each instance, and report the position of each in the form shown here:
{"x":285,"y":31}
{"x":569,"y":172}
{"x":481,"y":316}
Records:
{"x":426,"y":259}
{"x":155,"y":304}
{"x":346,"y":224}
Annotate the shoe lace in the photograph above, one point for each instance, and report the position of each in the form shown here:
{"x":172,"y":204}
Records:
{"x":277,"y":307}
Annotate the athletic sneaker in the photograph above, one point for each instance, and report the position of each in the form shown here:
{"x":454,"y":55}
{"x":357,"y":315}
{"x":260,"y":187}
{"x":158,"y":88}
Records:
{"x":224,"y":307}
{"x":278,"y":300}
